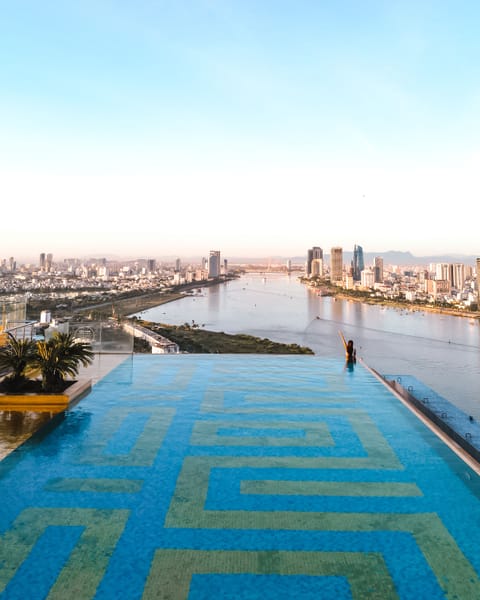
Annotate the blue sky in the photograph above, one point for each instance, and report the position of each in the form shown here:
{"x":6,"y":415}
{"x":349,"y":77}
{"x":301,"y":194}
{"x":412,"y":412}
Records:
{"x":154,"y":128}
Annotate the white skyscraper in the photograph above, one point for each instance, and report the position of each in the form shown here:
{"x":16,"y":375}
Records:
{"x":441,"y":272}
{"x":214,"y":264}
{"x":458,"y":273}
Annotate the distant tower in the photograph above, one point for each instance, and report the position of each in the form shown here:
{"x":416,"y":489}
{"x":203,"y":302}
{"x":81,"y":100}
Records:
{"x":378,"y":269}
{"x":151,"y":265}
{"x":42,"y":261}
{"x":458,"y":278}
{"x":48,"y":265}
{"x":368,"y":278}
{"x":477,"y":264}
{"x":442,"y":272}
{"x":315,"y":253}
{"x":214,"y":264}
{"x":308,"y":264}
{"x":358,"y":263}
{"x":177,"y":264}
{"x":336,"y":264}
{"x":317,"y":267}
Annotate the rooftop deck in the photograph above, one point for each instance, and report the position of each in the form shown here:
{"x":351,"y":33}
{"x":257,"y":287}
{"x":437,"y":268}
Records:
{"x":213,"y":476}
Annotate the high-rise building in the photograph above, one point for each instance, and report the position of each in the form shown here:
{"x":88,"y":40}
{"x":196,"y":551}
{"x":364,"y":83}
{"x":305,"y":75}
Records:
{"x":358,"y":263}
{"x":367,"y":278}
{"x":458,"y":276}
{"x":42,"y":261}
{"x":442,"y":272}
{"x":49,"y":261}
{"x":336,"y":264}
{"x":317,"y":267}
{"x":214,"y":263}
{"x":315,"y":253}
{"x":477,"y":271}
{"x":378,"y":269}
{"x":308,"y":264}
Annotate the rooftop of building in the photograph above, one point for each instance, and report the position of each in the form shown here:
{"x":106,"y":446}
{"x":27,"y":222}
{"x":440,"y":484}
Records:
{"x":238,"y":476}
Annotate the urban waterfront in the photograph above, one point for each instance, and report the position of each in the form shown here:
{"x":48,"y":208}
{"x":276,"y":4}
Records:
{"x":440,"y":350}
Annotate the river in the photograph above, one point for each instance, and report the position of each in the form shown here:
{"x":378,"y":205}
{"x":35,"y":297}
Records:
{"x":440,"y":350}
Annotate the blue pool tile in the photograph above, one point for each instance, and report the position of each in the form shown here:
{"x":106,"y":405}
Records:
{"x":241,"y":477}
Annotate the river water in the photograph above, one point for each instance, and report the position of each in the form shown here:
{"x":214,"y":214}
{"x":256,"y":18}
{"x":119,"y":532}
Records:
{"x":442,"y":351}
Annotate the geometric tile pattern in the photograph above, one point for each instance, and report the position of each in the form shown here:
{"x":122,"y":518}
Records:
{"x":203,"y":476}
{"x":367,"y":574}
{"x":96,"y":534}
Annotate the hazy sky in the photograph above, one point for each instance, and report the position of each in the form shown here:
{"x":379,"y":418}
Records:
{"x":257,"y":127}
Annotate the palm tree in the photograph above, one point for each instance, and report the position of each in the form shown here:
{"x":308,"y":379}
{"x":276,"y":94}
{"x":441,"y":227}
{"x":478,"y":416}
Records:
{"x":16,"y":358}
{"x":60,"y":357}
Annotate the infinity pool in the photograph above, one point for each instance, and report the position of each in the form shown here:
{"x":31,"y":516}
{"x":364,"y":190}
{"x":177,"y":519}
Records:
{"x":222,"y":476}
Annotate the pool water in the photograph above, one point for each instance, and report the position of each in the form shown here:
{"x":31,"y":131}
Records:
{"x":233,"y":476}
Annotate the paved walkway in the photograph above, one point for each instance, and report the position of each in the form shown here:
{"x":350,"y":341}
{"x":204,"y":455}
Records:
{"x":238,"y":477}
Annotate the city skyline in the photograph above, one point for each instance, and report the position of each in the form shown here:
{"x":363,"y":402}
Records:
{"x":160,"y":129}
{"x":404,"y":258}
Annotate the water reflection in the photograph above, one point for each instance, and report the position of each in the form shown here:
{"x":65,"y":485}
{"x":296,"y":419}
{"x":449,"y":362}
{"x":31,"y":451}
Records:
{"x":73,"y":424}
{"x":349,"y":365}
{"x":18,"y":426}
{"x":213,"y":297}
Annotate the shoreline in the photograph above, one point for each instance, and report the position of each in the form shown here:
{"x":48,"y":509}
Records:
{"x":409,"y":306}
{"x":126,"y":307}
{"x":334,"y":292}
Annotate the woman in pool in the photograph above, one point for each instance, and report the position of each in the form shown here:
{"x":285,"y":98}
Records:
{"x":350,"y":352}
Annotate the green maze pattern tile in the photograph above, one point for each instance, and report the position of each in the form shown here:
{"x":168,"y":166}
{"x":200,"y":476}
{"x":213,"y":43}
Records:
{"x":329,"y":488}
{"x":367,"y":574}
{"x":146,"y":446}
{"x":87,"y":562}
{"x":238,"y":476}
{"x":207,"y":433}
{"x":110,"y":486}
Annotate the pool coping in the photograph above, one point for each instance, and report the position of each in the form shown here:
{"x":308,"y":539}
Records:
{"x":431,"y":420}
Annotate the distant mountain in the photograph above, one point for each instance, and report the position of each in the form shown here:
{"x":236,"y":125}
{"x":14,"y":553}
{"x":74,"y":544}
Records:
{"x":395,"y":257}
{"x":390,"y":257}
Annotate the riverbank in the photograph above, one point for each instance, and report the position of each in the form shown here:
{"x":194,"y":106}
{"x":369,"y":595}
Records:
{"x":113,"y":304}
{"x":342,"y":294}
{"x":192,"y":339}
{"x":410,"y":306}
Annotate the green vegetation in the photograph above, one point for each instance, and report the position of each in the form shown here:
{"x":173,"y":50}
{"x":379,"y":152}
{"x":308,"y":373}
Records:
{"x":15,"y":358}
{"x":141,"y":346}
{"x":195,"y":340}
{"x":60,"y":357}
{"x":56,"y":359}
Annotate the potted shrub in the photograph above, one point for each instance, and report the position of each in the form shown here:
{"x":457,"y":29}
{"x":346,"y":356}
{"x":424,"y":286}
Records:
{"x":55,"y":360}
{"x":16,"y":358}
{"x":58,"y":358}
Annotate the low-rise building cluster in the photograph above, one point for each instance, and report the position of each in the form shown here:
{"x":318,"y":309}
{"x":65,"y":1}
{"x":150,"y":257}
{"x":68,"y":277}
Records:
{"x":93,"y":280}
